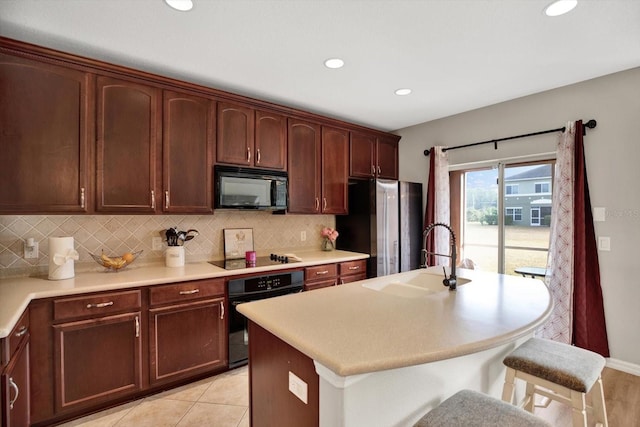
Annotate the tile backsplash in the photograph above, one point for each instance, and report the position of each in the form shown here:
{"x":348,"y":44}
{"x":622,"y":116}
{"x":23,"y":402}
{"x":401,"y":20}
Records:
{"x":117,"y":234}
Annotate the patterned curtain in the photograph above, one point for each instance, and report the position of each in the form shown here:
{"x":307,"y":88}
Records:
{"x":573,"y":272}
{"x":437,"y":209}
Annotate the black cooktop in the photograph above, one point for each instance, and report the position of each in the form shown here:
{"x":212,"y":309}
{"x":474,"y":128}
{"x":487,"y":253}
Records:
{"x":263,"y":261}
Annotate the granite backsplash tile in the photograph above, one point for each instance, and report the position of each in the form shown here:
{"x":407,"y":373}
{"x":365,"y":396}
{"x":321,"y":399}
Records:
{"x":117,"y":234}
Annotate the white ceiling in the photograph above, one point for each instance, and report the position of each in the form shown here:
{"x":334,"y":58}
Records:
{"x":456,"y":55}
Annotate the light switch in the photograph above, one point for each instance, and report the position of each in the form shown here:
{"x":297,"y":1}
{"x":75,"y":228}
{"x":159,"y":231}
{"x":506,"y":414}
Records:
{"x":599,"y":214}
{"x":604,"y":243}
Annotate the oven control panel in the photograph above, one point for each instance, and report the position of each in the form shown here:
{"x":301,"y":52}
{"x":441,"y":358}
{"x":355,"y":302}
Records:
{"x":265,"y":283}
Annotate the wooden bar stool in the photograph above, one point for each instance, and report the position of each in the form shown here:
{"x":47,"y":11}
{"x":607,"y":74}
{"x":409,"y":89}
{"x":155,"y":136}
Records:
{"x":559,"y":372}
{"x":469,"y":408}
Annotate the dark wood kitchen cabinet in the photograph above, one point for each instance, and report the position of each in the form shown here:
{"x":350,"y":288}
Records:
{"x":187,"y":330}
{"x":45,"y":128}
{"x":320,"y":276}
{"x":127,"y":158}
{"x":250,"y":138}
{"x":352,"y":271}
{"x":97,"y":349}
{"x":373,"y":156}
{"x":15,"y":376}
{"x":304,"y":163}
{"x":187,"y":151}
{"x":318,"y":172}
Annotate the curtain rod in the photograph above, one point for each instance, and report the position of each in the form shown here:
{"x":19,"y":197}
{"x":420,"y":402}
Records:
{"x":590,"y":124}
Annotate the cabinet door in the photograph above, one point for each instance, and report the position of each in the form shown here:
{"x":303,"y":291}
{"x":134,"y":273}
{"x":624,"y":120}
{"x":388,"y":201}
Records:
{"x":186,"y":339}
{"x":271,"y":143}
{"x":387,"y":156}
{"x":335,"y":170}
{"x":304,"y":156}
{"x":15,"y":389}
{"x":127,"y":140}
{"x":362,"y":162}
{"x":45,"y":122}
{"x":187,"y":151}
{"x":97,"y":360}
{"x":235,"y":134}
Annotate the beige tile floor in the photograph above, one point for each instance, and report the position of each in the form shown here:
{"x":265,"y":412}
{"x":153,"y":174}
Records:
{"x":220,"y":401}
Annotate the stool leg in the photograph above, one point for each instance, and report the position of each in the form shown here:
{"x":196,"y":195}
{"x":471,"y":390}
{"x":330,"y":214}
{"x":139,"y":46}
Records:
{"x":597,"y":402}
{"x":529,"y":398}
{"x":578,"y":409}
{"x":507,"y":389}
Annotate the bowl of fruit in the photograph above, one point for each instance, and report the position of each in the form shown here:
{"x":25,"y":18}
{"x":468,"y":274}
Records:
{"x":115,"y":263}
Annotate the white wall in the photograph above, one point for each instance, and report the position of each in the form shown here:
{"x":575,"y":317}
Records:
{"x":612,"y":152}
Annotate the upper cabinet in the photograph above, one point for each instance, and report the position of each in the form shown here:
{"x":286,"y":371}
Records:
{"x":250,"y":138}
{"x":128,"y":115}
{"x":187,"y":151}
{"x":373,"y":156}
{"x":318,"y":173}
{"x":45,"y":128}
{"x":304,"y":162}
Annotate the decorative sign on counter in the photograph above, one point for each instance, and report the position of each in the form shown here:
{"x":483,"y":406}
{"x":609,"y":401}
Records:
{"x":237,"y":242}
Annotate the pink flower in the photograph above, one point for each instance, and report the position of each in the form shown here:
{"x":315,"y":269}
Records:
{"x":329,"y":233}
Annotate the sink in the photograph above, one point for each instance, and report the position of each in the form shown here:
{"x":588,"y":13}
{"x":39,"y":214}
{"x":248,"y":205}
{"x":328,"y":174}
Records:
{"x":411,"y":284}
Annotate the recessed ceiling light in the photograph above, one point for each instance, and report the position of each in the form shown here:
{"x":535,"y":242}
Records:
{"x":181,"y":5}
{"x":560,"y":7}
{"x":403,"y":91}
{"x":334,"y":63}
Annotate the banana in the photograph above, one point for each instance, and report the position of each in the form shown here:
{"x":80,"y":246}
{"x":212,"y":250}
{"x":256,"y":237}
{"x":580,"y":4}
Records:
{"x":116,"y":262}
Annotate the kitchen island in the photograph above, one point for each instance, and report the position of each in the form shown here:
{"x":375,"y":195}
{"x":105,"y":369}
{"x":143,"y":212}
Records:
{"x":385,"y":351}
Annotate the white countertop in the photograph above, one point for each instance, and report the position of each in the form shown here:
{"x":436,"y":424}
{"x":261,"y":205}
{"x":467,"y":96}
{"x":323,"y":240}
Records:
{"x":351,"y":329}
{"x":16,"y":293}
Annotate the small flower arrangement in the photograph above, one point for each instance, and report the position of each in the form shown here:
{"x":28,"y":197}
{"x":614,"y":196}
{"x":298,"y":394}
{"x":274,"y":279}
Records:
{"x":329,"y":237}
{"x":329,"y":233}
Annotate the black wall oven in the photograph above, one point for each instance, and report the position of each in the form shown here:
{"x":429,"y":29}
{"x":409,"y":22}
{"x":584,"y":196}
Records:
{"x":251,"y":289}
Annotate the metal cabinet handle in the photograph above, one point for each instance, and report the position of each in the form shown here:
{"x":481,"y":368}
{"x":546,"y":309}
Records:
{"x":248,"y":154}
{"x":166,"y":199}
{"x":82,"y":197}
{"x":317,"y":203}
{"x":153,"y":199}
{"x":357,"y":267}
{"x":221,"y":310}
{"x":379,"y":170}
{"x":373,"y":169}
{"x":14,"y":386}
{"x":137,"y":327}
{"x":100,"y":305}
{"x":321,"y":273}
{"x":324,"y":203}
{"x":342,"y":281}
{"x":257,"y":155}
{"x":191,"y":292}
{"x":23,"y":330}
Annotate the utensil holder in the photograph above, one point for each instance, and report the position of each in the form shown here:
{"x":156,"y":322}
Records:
{"x":174,"y":256}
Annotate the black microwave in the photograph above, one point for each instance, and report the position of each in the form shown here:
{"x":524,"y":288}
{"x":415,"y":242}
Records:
{"x":244,"y":188}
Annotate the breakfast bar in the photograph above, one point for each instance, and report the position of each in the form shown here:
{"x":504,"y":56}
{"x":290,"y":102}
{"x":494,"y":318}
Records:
{"x":386,"y":350}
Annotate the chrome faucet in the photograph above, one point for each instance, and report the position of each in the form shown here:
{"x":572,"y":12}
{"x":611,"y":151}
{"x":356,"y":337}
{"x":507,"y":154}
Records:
{"x":450,"y":281}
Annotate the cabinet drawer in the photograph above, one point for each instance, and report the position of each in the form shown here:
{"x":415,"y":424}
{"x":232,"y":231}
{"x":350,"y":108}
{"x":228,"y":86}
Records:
{"x":9,"y":345}
{"x":96,"y":304}
{"x":320,"y":272}
{"x":318,"y":284}
{"x":186,"y":291}
{"x":353,"y":267}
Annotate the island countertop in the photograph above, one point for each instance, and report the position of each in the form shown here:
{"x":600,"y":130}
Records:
{"x":16,"y":293}
{"x":354,"y":329}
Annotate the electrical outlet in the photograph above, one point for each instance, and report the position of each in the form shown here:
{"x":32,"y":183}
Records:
{"x":303,"y":236}
{"x":604,"y":243}
{"x":31,"y":252}
{"x":297,"y":387}
{"x":156,"y":243}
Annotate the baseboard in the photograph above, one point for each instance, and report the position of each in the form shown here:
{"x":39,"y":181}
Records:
{"x":620,"y":365}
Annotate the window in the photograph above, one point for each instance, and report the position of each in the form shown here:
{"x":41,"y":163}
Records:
{"x":514,"y":213}
{"x":517,"y":238}
{"x":511,"y":189}
{"x":542,"y":187}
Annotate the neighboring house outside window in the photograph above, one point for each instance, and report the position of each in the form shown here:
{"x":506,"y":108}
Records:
{"x":530,"y":203}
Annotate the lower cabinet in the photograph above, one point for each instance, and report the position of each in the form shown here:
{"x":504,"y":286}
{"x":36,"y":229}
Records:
{"x":97,"y":360}
{"x":352,"y":271}
{"x":320,"y":276}
{"x":14,"y":383}
{"x":186,"y":339}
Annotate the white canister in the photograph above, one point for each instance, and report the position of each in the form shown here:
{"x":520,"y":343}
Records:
{"x":61,"y":257}
{"x":174,"y":256}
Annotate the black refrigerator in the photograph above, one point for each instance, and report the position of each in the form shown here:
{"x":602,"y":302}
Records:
{"x":385,"y":221}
